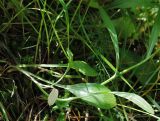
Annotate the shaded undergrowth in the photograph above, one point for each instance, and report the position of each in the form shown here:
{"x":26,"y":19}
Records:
{"x":46,"y":45}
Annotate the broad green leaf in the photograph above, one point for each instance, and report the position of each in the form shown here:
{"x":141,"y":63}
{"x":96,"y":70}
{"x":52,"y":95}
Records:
{"x":154,"y":35}
{"x":52,"y":96}
{"x":130,"y":3}
{"x":94,"y":94}
{"x":136,"y":100}
{"x":109,"y":25}
{"x":83,"y":67}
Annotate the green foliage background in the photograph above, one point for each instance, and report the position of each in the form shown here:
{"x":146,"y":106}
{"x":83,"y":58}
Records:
{"x":93,"y":48}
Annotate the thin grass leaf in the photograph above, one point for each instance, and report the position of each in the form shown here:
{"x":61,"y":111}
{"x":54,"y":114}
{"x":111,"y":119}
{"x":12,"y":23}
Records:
{"x":4,"y":114}
{"x":154,"y":35}
{"x":136,"y":99}
{"x":153,"y":101}
{"x":4,"y":26}
{"x":18,"y":7}
{"x":109,"y":25}
{"x":67,"y":18}
{"x":115,"y":75}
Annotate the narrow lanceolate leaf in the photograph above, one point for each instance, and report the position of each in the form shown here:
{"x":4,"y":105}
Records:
{"x":109,"y":25}
{"x":63,"y":4}
{"x":83,"y":68}
{"x":52,"y":96}
{"x":154,"y":35}
{"x":94,"y":94}
{"x":136,"y":99}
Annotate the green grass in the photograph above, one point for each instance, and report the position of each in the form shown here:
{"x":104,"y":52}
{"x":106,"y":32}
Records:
{"x":79,"y":60}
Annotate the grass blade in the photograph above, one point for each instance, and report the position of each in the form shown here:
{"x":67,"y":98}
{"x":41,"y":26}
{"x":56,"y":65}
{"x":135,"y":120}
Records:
{"x":4,"y":112}
{"x":154,"y":35}
{"x":109,"y":25}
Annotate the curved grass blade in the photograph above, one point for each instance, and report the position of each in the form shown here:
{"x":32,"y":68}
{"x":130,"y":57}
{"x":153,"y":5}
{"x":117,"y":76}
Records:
{"x":154,"y":35}
{"x":4,"y":113}
{"x":109,"y":25}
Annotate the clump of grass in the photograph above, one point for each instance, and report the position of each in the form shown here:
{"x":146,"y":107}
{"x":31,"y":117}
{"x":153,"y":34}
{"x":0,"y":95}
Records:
{"x":78,"y":56}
